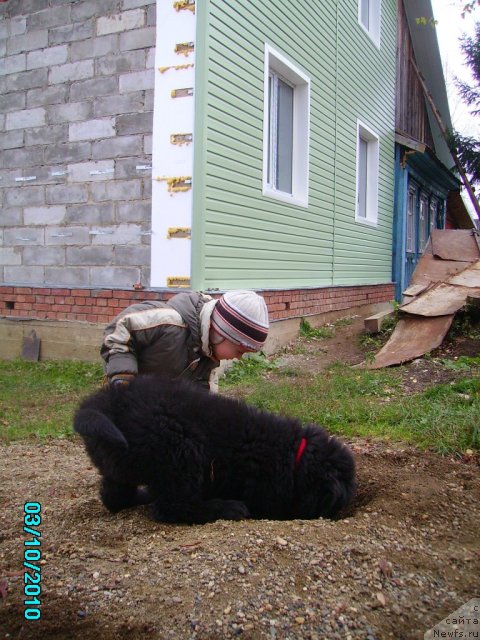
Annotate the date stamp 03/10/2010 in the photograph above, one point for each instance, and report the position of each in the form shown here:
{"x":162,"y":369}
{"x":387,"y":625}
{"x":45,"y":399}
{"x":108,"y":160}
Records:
{"x":32,"y":554}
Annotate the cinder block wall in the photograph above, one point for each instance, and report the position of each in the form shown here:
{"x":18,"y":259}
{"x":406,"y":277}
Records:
{"x":76,"y":114}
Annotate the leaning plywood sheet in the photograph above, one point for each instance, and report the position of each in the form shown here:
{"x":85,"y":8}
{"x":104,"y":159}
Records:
{"x":413,"y":336}
{"x":441,"y":300}
{"x":469,"y":277}
{"x":430,"y":269}
{"x":455,"y":244}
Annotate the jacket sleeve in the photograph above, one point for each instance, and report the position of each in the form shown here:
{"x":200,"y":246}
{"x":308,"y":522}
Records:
{"x":144,"y":322}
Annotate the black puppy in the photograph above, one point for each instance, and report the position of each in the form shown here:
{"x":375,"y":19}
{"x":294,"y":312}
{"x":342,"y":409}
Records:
{"x":204,"y":457}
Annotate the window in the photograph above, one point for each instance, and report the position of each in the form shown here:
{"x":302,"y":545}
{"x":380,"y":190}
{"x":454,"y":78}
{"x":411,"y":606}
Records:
{"x":286,"y":130}
{"x":369,"y":18}
{"x":367,"y":175}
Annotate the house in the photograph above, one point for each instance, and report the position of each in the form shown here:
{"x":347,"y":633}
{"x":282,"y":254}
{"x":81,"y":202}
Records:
{"x":427,"y":192}
{"x":152,"y":146}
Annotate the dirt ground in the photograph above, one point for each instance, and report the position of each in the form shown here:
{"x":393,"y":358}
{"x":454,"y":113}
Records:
{"x":405,"y":555}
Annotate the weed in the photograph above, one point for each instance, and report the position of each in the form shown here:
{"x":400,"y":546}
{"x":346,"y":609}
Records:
{"x":308,"y":332}
{"x":250,"y":368}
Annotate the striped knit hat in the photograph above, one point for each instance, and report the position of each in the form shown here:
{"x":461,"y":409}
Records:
{"x":242,"y":318}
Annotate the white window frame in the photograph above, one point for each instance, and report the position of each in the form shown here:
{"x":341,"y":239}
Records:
{"x":372,"y":174}
{"x":278,"y":64}
{"x":372,"y":28}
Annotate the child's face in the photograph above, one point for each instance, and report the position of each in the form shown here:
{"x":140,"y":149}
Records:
{"x":226,"y":350}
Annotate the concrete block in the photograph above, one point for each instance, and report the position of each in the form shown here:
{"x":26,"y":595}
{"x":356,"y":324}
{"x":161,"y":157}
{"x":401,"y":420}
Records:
{"x":137,"y":81}
{"x":44,"y":256}
{"x":66,"y":235}
{"x":47,"y":57}
{"x":66,"y":194}
{"x":120,"y":146}
{"x":147,"y":145}
{"x":53,"y":17}
{"x":23,"y":236}
{"x":45,"y":135}
{"x":120,"y":22}
{"x":114,"y":276}
{"x":24,"y":196}
{"x":93,"y":47}
{"x":92,"y":130}
{"x":18,"y":25}
{"x":68,"y":152}
{"x":138,"y":39}
{"x":44,"y":215}
{"x":91,"y":214}
{"x":23,"y":275}
{"x":11,"y":218}
{"x":124,"y":234}
{"x":92,"y":8}
{"x":127,"y":167}
{"x":150,"y":63}
{"x":90,"y":256}
{"x":147,"y":188}
{"x":25,"y":118}
{"x":10,"y":256}
{"x":149,"y":100}
{"x":132,"y":256}
{"x":22,"y":157}
{"x":13,"y":101}
{"x":26,"y":80}
{"x":13,"y":64}
{"x":93,"y":88}
{"x":91,"y":171}
{"x":137,"y":211}
{"x":27,"y":42}
{"x":43,"y":175}
{"x":135,"y":123}
{"x":71,"y":112}
{"x":112,"y":105}
{"x":152,"y":15}
{"x":12,"y":139}
{"x":47,"y":95}
{"x":120,"y":63}
{"x":71,"y":32}
{"x":71,"y":72}
{"x":116,"y":190}
{"x":67,"y":276}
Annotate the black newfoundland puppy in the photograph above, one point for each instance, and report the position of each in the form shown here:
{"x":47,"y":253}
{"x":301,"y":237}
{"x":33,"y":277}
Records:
{"x":198,"y":457}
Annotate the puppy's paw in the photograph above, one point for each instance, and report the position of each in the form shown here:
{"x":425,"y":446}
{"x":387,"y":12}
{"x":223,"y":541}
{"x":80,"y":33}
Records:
{"x":233,"y":510}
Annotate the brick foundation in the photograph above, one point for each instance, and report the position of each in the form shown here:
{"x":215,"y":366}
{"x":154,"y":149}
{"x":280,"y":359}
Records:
{"x":101,"y":305}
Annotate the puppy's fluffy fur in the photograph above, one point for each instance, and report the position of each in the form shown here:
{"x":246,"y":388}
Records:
{"x":198,"y":456}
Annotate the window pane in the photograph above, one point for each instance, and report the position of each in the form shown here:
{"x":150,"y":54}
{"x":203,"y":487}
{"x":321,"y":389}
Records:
{"x":365,"y":13}
{"x":270,"y":147}
{"x":362,"y":177}
{"x":412,"y":197}
{"x":423,"y":224}
{"x":284,"y":137}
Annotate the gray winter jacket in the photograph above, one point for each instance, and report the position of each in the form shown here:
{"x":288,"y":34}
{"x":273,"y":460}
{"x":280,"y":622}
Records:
{"x":170,"y":338}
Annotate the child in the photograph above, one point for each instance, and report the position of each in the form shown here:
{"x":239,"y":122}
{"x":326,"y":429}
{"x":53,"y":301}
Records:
{"x":184,"y":337}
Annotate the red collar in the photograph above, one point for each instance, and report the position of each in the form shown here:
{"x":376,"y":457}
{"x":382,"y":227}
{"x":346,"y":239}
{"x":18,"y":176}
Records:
{"x":300,"y":450}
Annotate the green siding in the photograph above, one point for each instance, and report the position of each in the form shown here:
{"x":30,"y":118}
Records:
{"x":243,"y":239}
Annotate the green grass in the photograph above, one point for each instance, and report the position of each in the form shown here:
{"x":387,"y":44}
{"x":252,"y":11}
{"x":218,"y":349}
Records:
{"x":354,"y":402}
{"x":37,"y":400}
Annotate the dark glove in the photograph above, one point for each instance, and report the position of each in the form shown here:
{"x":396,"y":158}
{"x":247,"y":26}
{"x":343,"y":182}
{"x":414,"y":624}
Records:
{"x":120,"y":379}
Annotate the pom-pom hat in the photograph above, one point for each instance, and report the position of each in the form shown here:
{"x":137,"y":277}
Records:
{"x":242,"y":318}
